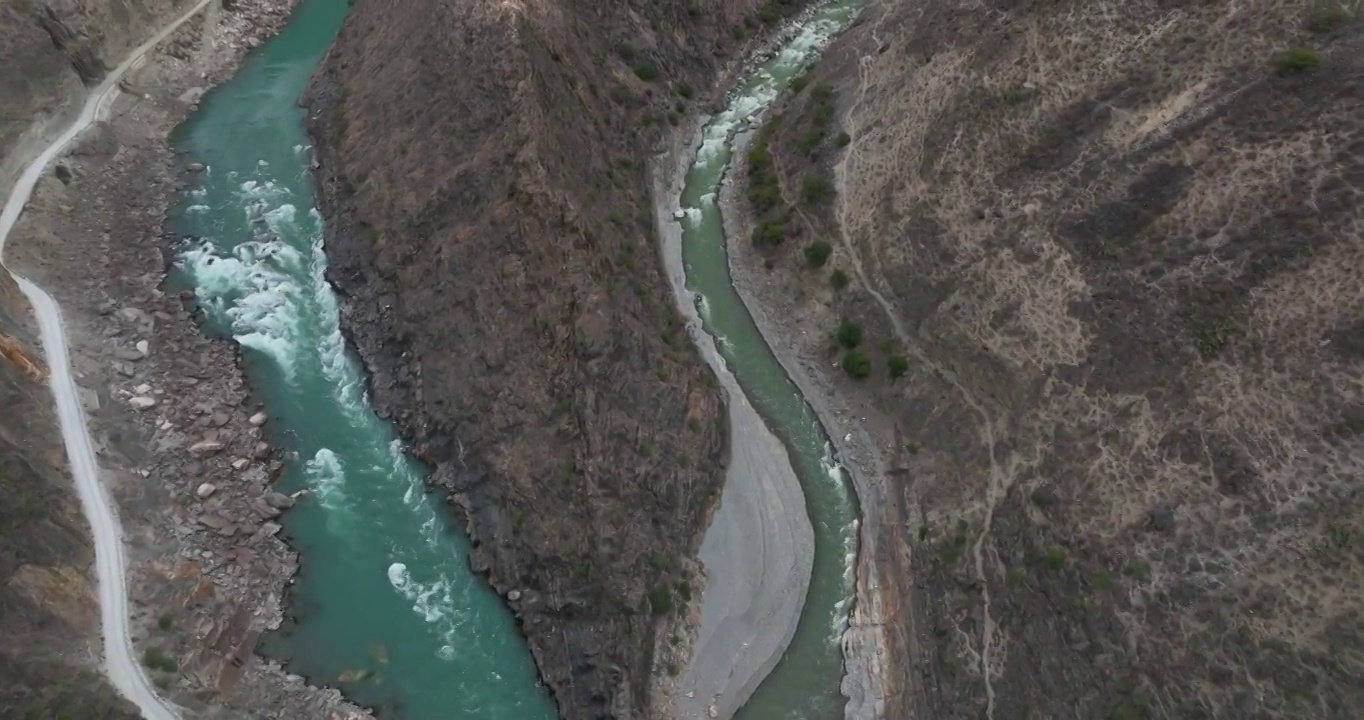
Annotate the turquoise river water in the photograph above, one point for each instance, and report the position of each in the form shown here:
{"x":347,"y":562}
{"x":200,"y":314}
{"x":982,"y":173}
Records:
{"x":385,"y":605}
{"x":805,"y":684}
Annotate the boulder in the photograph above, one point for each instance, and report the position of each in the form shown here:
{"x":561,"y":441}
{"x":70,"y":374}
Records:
{"x":205,"y":490}
{"x":206,"y":447}
{"x":142,"y":402}
{"x":278,"y":501}
{"x":259,"y":419}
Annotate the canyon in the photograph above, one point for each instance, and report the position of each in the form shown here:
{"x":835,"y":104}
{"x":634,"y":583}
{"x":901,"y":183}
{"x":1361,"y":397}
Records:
{"x":1067,"y":292}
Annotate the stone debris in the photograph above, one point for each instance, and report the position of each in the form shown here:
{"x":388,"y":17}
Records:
{"x":142,"y":402}
{"x":206,"y":447}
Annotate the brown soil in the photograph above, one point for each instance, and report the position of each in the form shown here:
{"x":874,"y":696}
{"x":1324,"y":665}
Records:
{"x":1118,"y":247}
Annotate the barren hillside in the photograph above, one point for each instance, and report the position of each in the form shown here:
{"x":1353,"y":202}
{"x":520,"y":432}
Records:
{"x":483,"y":176}
{"x":1115,"y":251}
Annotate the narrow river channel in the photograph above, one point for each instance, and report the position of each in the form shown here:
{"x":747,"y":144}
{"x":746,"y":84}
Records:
{"x":805,"y":684}
{"x":386,"y":606}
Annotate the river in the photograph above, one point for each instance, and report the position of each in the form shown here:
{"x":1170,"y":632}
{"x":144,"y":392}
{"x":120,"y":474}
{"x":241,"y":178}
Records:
{"x":385,"y":606}
{"x":805,"y":683}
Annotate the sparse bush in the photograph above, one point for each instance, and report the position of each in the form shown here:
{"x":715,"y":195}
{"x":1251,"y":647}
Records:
{"x":1103,"y":580}
{"x":843,"y":139}
{"x":769,"y":233}
{"x":646,"y":71}
{"x":685,"y":90}
{"x":897,"y":366}
{"x":809,"y":140}
{"x":849,"y":334}
{"x":1326,"y":18}
{"x":815,"y":189}
{"x":856,"y":364}
{"x":817,"y":253}
{"x":838,"y":279}
{"x":800,"y":82}
{"x":1054,"y":558}
{"x":165,"y":621}
{"x":1296,"y":60}
{"x":154,"y":658}
{"x":661,"y":600}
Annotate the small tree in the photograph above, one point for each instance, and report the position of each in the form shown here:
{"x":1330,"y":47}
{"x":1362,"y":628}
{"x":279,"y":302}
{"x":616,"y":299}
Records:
{"x":856,"y":364}
{"x":817,"y":253}
{"x":838,"y":279}
{"x":897,"y":366}
{"x":814,"y":188}
{"x":849,"y":334}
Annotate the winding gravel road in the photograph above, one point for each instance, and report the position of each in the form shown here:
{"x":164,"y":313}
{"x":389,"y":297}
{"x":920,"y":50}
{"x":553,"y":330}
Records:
{"x":120,"y":661}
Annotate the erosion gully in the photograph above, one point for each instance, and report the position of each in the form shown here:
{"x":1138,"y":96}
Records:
{"x":385,"y":606}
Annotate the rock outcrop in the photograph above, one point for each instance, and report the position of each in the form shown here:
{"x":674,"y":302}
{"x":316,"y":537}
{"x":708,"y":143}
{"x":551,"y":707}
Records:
{"x":482,"y":171}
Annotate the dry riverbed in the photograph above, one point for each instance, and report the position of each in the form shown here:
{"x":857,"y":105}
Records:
{"x":179,"y":440}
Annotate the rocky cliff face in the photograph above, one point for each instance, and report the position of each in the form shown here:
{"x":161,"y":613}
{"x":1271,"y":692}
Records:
{"x":483,"y":175}
{"x":1115,"y":249}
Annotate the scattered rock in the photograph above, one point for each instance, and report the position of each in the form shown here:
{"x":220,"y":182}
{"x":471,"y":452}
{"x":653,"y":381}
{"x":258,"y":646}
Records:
{"x":240,"y":464}
{"x":126,"y":354}
{"x":144,"y":348}
{"x":206,"y":447}
{"x":261,"y":451}
{"x":679,"y":214}
{"x":1219,"y":674}
{"x":259,"y":419}
{"x":142,"y":389}
{"x":514,"y":595}
{"x":279,"y":501}
{"x":220,"y":419}
{"x":63,"y":173}
{"x":205,"y":490}
{"x":142,"y":402}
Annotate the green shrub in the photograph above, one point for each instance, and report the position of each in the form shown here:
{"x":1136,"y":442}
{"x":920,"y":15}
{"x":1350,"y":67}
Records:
{"x":1326,"y":18}
{"x":838,"y":279}
{"x":817,"y":253}
{"x":769,"y":233}
{"x":856,"y":364}
{"x":809,"y":140}
{"x":155,"y":659}
{"x":685,"y":90}
{"x":646,"y":72}
{"x":849,"y":334}
{"x":1054,"y":558}
{"x":822,"y":93}
{"x":661,"y":600}
{"x":1296,"y":60}
{"x":800,"y":82}
{"x":815,"y":189}
{"x":897,"y":366}
{"x":843,"y":139}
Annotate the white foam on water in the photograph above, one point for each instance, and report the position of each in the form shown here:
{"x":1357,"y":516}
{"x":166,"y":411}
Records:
{"x":251,"y":291}
{"x":432,"y":601}
{"x":196,"y":209}
{"x":694,"y":216}
{"x":326,"y":476}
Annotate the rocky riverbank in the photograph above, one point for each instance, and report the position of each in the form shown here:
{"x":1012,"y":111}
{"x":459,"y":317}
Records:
{"x":178,"y":438}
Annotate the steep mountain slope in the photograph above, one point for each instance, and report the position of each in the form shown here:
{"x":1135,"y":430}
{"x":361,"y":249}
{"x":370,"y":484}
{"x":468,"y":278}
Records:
{"x":482,"y":174}
{"x":48,"y":612}
{"x":47,"y":606}
{"x":1116,"y":248}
